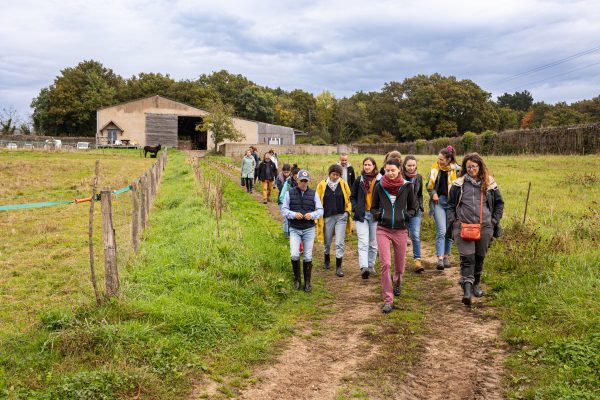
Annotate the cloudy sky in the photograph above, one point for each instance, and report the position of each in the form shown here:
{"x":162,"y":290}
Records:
{"x":551,"y":48}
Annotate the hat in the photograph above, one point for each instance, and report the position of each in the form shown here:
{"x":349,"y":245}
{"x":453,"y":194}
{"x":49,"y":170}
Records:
{"x":303,"y":175}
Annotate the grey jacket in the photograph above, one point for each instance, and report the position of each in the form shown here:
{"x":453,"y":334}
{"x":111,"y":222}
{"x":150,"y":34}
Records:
{"x":248,"y":166}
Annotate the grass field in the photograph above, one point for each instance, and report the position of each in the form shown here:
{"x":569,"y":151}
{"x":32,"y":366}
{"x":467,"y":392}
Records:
{"x":545,"y":274}
{"x":188,"y":294}
{"x":44,"y":256}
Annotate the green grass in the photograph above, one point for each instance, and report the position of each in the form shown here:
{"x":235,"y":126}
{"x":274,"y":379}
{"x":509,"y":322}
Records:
{"x":191,"y":303}
{"x":545,"y":274}
{"x":44,"y":258}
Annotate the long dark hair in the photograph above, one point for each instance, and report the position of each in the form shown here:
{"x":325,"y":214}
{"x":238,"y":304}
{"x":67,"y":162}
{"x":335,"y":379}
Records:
{"x":372,"y":162}
{"x":483,"y":174}
{"x":449,"y":153}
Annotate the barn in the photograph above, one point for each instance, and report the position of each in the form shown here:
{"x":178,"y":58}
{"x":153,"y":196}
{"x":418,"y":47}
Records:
{"x":158,"y":120}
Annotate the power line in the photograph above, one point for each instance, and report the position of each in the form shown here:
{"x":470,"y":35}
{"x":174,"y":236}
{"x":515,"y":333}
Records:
{"x":549,"y":65}
{"x":554,"y":76}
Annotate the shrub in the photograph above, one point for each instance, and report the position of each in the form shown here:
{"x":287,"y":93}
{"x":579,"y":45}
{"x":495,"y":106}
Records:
{"x":468,"y":141}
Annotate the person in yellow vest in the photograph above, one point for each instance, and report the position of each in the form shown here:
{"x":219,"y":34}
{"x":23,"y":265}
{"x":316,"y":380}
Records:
{"x":334,"y":194}
{"x":443,"y":173}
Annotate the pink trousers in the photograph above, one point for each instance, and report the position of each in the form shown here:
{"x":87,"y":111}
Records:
{"x":398,"y":239}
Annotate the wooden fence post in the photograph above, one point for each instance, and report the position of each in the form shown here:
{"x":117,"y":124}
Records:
{"x":111,"y":274}
{"x":152,"y":185}
{"x":148,"y":194}
{"x":135,"y":216}
{"x":91,"y":232}
{"x":142,"y":190}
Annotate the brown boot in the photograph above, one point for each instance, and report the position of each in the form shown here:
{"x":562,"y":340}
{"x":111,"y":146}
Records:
{"x":418,"y":268}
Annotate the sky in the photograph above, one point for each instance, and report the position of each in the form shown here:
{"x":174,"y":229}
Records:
{"x":550,"y":48}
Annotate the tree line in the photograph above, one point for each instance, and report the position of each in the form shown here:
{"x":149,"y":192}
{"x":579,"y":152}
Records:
{"x":420,"y":107}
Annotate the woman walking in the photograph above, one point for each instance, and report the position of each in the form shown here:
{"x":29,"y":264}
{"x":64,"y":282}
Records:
{"x":366,"y":226}
{"x":443,"y":173}
{"x":302,"y":207}
{"x":390,"y":154}
{"x":334,"y":194}
{"x":267,"y":172}
{"x":410,"y":174}
{"x":248,"y":167}
{"x":290,"y":174}
{"x":474,"y":199}
{"x":393,"y":202}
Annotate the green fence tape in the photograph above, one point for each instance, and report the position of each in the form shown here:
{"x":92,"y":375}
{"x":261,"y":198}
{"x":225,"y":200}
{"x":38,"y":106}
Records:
{"x":122,"y":190}
{"x":34,"y":205}
{"x":54,"y":203}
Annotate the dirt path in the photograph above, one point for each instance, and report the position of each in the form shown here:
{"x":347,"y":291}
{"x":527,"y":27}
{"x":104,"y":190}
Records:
{"x":460,"y":355}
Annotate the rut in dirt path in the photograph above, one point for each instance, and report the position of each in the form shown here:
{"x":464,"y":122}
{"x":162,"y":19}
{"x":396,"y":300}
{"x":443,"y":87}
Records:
{"x":461,"y":356}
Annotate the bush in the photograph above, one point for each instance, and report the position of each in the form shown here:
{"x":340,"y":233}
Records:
{"x":487,"y":141}
{"x":420,"y":145}
{"x":468,"y":141}
{"x":318,"y":141}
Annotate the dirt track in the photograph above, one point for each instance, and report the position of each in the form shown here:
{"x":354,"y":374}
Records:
{"x":459,"y":353}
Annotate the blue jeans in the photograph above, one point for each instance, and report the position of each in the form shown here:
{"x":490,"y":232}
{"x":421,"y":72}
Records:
{"x":307,"y":237}
{"x":335,"y":224}
{"x":442,"y":245}
{"x":414,"y":230}
{"x":286,"y":226}
{"x":367,"y":241}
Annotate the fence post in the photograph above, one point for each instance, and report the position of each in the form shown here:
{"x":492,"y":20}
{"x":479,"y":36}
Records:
{"x":111,"y":274}
{"x":148,"y":194}
{"x":142,"y":190}
{"x":152,"y":185}
{"x":135,"y":216}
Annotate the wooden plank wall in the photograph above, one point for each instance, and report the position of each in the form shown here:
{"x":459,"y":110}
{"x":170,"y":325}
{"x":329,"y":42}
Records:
{"x":161,"y":129}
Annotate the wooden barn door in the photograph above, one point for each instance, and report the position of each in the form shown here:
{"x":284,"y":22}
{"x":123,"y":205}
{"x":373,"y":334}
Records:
{"x":161,"y":129}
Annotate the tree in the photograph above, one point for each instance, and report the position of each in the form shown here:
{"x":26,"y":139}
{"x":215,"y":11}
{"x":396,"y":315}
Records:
{"x":519,"y":101}
{"x":562,"y":114}
{"x":148,"y":84}
{"x":305,"y":104}
{"x":349,"y":121}
{"x":256,"y":103}
{"x":69,"y":105}
{"x":8,"y":121}
{"x":220,"y":124}
{"x":325,"y":104}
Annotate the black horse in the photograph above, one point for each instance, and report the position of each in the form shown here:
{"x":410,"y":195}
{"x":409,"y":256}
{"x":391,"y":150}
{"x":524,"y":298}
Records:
{"x":153,"y":150}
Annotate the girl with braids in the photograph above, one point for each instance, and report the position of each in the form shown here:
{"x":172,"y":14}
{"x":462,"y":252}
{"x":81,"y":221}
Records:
{"x":474,"y":199}
{"x":443,"y":173}
{"x":393,"y":203}
{"x":366,"y":226}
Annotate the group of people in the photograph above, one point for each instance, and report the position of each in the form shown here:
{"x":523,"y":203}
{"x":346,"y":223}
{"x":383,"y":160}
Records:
{"x":387,"y":207}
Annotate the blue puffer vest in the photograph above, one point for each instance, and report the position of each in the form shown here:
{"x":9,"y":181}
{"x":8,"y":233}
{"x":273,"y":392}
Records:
{"x":302,"y":203}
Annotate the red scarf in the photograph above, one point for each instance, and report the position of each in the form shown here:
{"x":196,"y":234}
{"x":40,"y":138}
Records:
{"x":392,"y":186}
{"x":368,"y":178}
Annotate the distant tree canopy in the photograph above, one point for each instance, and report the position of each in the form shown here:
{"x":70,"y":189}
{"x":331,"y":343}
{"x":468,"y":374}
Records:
{"x":420,"y":107}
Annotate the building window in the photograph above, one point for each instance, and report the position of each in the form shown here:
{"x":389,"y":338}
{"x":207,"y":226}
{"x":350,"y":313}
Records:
{"x":274,"y":140}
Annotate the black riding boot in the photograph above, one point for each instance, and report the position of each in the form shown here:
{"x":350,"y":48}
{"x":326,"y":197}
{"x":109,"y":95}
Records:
{"x":297,"y":279}
{"x":467,"y":287}
{"x":307,"y":266}
{"x":327,"y":262}
{"x":477,"y":292}
{"x":338,"y":267}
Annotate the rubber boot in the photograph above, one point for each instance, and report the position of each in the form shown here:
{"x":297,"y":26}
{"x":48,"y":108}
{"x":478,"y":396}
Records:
{"x":327,"y":262}
{"x":338,"y":267}
{"x":467,"y":288}
{"x":297,"y":279}
{"x":307,"y":266}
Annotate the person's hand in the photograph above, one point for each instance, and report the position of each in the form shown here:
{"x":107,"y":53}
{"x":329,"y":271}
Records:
{"x":307,"y":216}
{"x":299,"y":216}
{"x":435,"y":198}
